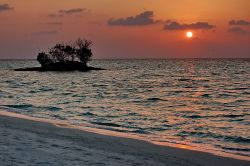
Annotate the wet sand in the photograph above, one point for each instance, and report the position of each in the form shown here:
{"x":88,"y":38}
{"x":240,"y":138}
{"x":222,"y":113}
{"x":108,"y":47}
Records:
{"x":33,"y":141}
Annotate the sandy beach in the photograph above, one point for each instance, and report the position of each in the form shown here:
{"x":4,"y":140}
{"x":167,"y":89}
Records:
{"x":32,"y":141}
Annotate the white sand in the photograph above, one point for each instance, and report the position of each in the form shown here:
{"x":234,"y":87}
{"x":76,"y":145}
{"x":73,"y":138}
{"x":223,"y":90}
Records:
{"x":34,"y":141}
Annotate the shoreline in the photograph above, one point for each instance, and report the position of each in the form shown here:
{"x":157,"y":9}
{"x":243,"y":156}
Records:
{"x":88,"y":145}
{"x":64,"y":124}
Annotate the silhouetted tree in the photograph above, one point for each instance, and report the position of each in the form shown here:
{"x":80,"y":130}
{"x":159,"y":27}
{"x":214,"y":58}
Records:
{"x":83,"y":51}
{"x":79,"y":51}
{"x":43,"y":59}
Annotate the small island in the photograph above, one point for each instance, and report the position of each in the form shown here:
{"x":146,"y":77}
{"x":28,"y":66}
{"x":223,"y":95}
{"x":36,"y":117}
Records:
{"x":65,"y":57}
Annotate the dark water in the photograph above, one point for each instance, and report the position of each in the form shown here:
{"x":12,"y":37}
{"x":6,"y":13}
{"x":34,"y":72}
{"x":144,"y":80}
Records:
{"x":200,"y":103}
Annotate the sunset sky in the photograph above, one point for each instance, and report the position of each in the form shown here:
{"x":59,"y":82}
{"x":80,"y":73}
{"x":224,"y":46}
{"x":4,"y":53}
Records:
{"x":128,"y":28}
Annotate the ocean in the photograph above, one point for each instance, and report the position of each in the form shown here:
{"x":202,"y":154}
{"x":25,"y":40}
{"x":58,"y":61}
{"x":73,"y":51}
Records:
{"x":200,"y":103}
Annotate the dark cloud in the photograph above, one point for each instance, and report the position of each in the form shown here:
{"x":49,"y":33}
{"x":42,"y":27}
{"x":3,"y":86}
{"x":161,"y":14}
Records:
{"x":5,"y":7}
{"x":61,"y":13}
{"x":172,"y":25}
{"x":53,"y":15}
{"x":40,"y":33}
{"x":239,"y":23}
{"x":145,"y":18}
{"x":238,"y":30}
{"x":72,"y":11}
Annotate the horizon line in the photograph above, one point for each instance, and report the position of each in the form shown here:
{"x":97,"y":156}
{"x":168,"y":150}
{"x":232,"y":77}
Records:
{"x":18,"y":59}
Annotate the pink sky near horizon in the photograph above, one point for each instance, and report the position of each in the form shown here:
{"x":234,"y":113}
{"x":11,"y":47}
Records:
{"x":27,"y":27}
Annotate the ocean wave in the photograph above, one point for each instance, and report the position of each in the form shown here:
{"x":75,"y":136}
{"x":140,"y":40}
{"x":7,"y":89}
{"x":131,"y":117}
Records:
{"x":155,"y":99}
{"x":184,"y":79}
{"x":88,"y":114}
{"x":235,"y":139}
{"x":106,"y":124}
{"x":194,"y":116}
{"x":51,"y":108}
{"x":32,"y":107}
{"x":141,"y":131}
{"x":19,"y":106}
{"x":236,"y":149}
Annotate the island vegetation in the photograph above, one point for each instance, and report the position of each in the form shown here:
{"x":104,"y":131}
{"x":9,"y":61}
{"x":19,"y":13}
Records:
{"x":65,"y":57}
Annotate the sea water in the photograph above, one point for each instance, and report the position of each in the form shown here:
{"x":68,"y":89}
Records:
{"x":202,"y":103}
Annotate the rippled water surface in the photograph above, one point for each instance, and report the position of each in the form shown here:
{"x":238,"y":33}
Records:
{"x":200,"y":103}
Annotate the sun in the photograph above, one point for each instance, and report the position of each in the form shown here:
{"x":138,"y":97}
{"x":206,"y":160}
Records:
{"x":189,"y":34}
